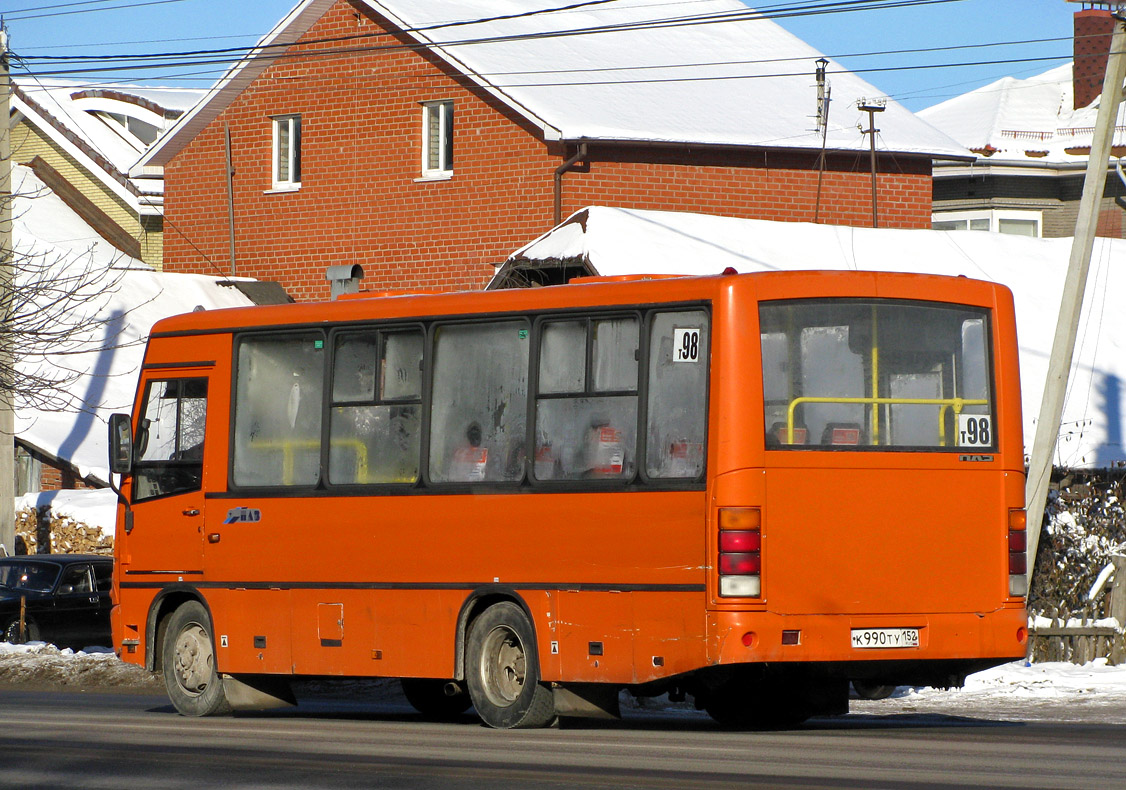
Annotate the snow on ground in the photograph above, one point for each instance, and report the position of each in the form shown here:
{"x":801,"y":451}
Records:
{"x":1020,"y":691}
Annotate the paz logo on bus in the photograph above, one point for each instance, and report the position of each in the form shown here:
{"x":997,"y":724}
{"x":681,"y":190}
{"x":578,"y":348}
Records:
{"x":237,"y":515}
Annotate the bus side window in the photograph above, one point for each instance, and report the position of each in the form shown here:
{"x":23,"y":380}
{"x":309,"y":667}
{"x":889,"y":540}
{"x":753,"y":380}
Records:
{"x":678,"y":386}
{"x":586,"y":417}
{"x":375,"y":423}
{"x":478,"y":411}
{"x":278,"y":396}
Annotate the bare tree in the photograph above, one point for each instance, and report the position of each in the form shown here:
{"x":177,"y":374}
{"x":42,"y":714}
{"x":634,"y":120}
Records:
{"x":54,"y":308}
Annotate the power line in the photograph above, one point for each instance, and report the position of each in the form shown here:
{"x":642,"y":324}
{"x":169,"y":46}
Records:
{"x":15,"y":15}
{"x":788,"y":10}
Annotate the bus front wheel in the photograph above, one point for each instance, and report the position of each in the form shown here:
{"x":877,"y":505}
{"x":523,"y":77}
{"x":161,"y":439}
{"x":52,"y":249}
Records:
{"x":190,"y":676}
{"x":503,"y":674}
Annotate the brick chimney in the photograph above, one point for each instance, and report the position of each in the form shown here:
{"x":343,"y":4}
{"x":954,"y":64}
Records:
{"x":1094,"y":27}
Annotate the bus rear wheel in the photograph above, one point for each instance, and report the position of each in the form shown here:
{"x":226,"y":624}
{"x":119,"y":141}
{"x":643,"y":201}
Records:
{"x":190,"y":676}
{"x":503,"y":673}
{"x":430,"y":697}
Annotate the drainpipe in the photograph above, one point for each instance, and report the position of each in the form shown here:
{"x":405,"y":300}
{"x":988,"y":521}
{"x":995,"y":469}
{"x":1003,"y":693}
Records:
{"x":559,"y":171}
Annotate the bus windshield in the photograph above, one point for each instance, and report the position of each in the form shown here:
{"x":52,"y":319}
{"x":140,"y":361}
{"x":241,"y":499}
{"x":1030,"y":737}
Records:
{"x":874,"y":374}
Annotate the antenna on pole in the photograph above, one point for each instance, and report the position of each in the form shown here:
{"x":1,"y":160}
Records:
{"x":872,"y":108}
{"x":824,"y":91}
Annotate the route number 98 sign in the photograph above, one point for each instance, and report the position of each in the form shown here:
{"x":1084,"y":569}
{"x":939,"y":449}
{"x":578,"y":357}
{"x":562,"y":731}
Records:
{"x":975,"y":430}
{"x":686,"y":344}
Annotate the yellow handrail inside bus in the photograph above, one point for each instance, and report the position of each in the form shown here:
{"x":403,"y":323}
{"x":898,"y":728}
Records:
{"x":957,"y":403}
{"x":289,"y":448}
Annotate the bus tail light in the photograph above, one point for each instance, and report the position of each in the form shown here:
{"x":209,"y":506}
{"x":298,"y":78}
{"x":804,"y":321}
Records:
{"x":740,"y":552}
{"x":1018,"y":553}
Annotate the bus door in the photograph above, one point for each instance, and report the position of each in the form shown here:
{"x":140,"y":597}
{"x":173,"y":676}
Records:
{"x":167,"y":539}
{"x":871,"y":408}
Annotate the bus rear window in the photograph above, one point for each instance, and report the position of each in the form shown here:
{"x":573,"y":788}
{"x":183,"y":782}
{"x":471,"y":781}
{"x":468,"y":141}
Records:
{"x":849,"y":374}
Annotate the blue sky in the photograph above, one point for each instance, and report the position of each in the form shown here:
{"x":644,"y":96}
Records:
{"x":179,"y":25}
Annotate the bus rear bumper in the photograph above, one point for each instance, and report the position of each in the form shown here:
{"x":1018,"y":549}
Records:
{"x":941,"y":647}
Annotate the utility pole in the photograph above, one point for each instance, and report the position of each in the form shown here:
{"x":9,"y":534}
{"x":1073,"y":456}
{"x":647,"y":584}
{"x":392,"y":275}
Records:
{"x":824,"y":92}
{"x":1071,"y":303}
{"x":7,"y":417}
{"x":872,"y":108}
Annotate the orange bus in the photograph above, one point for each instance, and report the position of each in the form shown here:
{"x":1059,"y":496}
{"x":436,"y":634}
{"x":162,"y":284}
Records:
{"x":750,"y":489}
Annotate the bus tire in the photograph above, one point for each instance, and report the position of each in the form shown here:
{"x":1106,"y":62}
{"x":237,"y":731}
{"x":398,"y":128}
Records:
{"x":503,"y":673}
{"x":428,"y":696}
{"x":190,"y":675}
{"x":12,"y":631}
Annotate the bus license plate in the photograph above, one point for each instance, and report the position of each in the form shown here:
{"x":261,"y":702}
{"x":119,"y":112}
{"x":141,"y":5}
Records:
{"x":885,"y":637}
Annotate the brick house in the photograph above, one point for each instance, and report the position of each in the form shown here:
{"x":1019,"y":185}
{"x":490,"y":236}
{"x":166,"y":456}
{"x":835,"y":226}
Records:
{"x":1032,"y":138}
{"x":81,"y":139}
{"x":344,"y":148}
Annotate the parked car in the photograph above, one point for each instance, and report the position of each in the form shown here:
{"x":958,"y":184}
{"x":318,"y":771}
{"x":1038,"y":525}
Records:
{"x":66,"y":599}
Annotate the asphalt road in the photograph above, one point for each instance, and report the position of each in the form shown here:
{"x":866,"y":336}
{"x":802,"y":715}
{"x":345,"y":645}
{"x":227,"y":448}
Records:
{"x":54,"y":739}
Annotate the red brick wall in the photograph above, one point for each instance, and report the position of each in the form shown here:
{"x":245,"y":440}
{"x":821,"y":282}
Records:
{"x":361,"y":200}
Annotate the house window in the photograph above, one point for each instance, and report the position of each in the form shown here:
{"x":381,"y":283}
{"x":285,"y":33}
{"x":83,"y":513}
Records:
{"x":438,"y":139}
{"x":287,"y":151}
{"x":1012,"y":222}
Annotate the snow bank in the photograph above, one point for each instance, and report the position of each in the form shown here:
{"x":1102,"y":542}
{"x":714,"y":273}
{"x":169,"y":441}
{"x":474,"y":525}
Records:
{"x":39,"y":664}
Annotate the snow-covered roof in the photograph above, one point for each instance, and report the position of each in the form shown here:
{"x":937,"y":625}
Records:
{"x":1027,"y":122}
{"x":48,"y":234}
{"x":98,"y":125}
{"x":711,"y":72}
{"x":613,"y":241}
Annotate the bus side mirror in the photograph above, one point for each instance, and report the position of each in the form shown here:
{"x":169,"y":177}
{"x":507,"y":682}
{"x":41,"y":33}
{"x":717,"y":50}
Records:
{"x":120,"y":444}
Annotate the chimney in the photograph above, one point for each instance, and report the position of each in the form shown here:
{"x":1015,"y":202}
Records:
{"x":1094,"y":26}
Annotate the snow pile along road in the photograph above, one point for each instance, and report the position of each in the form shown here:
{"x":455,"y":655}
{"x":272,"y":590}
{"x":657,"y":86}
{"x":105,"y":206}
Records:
{"x":38,"y":665}
{"x":1094,"y":692}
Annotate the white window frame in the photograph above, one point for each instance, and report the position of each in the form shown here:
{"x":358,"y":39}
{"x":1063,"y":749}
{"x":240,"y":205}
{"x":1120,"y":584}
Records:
{"x":993,"y":217}
{"x":292,"y":154}
{"x":442,"y":113}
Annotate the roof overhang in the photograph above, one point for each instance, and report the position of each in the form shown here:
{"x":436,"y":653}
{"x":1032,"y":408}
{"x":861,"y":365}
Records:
{"x":1011,"y":167}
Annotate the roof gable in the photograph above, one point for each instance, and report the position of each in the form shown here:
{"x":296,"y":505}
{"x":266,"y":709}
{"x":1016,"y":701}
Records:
{"x":627,"y":71}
